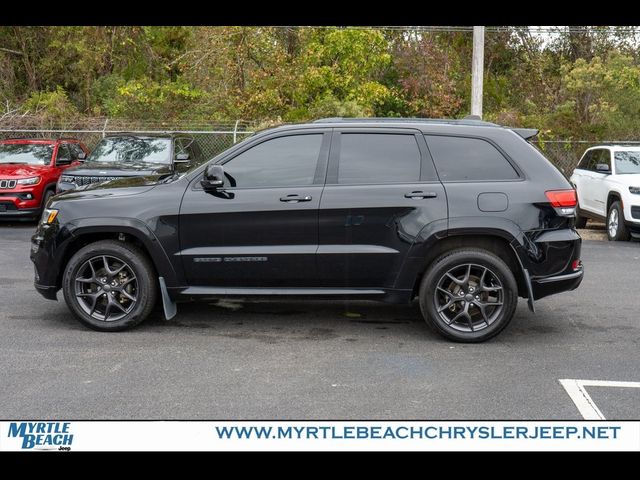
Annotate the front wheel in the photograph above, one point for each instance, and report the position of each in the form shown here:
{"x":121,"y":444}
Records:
{"x":616,"y":229}
{"x":110,"y":286}
{"x":468,"y":295}
{"x":45,"y":199}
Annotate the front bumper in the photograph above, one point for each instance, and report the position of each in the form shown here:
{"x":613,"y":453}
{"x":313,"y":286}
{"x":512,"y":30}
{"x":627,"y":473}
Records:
{"x":46,"y":260}
{"x":65,"y":187}
{"x":10,"y":211}
{"x":47,"y":291}
{"x":632,"y":220}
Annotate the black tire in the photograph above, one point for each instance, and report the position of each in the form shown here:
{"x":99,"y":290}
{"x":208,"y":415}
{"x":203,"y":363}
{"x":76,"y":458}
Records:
{"x":581,"y":222}
{"x":503,"y":285}
{"x":138,"y":271}
{"x":45,"y":198}
{"x":616,"y":229}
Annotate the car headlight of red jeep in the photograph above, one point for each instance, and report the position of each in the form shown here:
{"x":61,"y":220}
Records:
{"x":29,"y":181}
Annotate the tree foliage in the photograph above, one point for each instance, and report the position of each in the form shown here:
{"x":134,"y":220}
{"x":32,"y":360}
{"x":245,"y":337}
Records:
{"x":582,"y":82}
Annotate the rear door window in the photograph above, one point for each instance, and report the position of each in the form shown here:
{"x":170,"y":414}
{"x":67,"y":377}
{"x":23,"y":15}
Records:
{"x":373,"y":158}
{"x":460,"y":159}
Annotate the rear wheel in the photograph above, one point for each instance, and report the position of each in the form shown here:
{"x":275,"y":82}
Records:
{"x":110,"y":286}
{"x":616,"y":229}
{"x":468,"y":295}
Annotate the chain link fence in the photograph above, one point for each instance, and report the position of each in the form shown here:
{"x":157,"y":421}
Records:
{"x":214,"y":138}
{"x":565,"y":154}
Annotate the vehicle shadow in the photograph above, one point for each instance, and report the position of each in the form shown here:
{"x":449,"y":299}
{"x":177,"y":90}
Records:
{"x":275,"y":321}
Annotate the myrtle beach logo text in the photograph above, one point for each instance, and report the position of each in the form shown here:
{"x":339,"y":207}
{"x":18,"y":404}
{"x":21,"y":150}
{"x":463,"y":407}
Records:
{"x":42,"y":435}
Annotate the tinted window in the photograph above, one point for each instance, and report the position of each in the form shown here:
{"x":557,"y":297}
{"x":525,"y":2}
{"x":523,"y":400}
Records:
{"x":186,"y":145}
{"x":605,"y":158}
{"x":586,"y":159}
{"x":132,"y":150}
{"x":460,"y":159}
{"x":75,"y":150}
{"x":596,"y":158}
{"x":627,"y":162}
{"x":378,"y":158}
{"x":26,"y":153}
{"x":63,"y":153}
{"x":283,"y":161}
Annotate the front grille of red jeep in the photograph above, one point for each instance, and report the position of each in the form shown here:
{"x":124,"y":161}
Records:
{"x":6,"y":184}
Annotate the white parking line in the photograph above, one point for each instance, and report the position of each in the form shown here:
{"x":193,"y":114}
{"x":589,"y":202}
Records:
{"x":587,"y":407}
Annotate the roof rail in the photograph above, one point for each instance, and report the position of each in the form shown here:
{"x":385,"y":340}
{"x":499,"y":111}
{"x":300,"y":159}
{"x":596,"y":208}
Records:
{"x":464,"y":121}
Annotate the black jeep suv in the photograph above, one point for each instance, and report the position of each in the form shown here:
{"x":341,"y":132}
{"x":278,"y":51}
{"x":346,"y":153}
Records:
{"x":464,"y":215}
{"x":126,"y":155}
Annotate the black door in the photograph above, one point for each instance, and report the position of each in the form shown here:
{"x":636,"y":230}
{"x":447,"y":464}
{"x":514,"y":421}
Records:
{"x":381,"y":191}
{"x":261,"y":230}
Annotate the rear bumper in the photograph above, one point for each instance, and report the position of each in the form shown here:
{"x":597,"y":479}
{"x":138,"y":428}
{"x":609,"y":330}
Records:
{"x":549,"y":259}
{"x":543,"y":287}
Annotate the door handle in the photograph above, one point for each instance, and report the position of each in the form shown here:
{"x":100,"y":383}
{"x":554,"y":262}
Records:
{"x":420,"y":194}
{"x":296,"y":198}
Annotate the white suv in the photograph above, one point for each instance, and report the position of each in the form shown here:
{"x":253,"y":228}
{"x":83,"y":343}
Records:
{"x":607,"y":181}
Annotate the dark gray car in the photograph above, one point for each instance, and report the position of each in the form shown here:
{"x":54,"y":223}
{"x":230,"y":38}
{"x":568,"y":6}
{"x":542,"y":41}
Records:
{"x":127,"y":155}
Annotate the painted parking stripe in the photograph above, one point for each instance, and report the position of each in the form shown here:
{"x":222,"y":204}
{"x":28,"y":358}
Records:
{"x":578,"y":393}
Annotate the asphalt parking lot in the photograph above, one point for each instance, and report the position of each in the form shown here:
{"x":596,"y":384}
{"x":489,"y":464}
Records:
{"x":315,"y":360}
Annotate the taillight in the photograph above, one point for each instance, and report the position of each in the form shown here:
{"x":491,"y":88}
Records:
{"x":576,"y":265}
{"x":562,"y":198}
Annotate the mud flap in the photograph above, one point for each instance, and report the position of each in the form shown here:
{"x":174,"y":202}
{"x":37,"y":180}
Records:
{"x":169,"y":306}
{"x":527,"y":280}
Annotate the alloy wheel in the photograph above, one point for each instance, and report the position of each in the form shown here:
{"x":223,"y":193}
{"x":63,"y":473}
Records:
{"x":106,"y":288}
{"x":469,"y":297}
{"x":613,"y":223}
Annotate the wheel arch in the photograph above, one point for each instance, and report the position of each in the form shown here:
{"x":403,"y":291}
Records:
{"x":612,"y":196}
{"x":500,"y":243}
{"x":95,"y":230}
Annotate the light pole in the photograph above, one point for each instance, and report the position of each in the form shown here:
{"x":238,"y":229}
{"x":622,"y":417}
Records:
{"x":477,"y":67}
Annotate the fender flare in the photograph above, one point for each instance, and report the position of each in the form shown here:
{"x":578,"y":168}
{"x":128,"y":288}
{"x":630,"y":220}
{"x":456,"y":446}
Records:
{"x":137,"y":229}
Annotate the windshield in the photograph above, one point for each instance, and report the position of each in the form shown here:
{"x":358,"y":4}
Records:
{"x":627,"y":162}
{"x":26,"y":153}
{"x":132,"y":150}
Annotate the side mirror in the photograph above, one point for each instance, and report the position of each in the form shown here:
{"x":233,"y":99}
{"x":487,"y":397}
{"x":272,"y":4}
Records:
{"x":82,"y":157}
{"x":182,"y":158}
{"x":602,"y":168}
{"x":60,"y":162}
{"x":213,"y":177}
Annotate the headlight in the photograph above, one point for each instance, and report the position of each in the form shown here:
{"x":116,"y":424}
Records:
{"x":28,"y":181}
{"x":66,"y":178}
{"x":48,"y":216}
{"x":635,"y":190}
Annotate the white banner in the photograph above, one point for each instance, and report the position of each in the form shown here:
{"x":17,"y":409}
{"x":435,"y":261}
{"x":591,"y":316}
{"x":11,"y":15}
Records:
{"x":318,"y":435}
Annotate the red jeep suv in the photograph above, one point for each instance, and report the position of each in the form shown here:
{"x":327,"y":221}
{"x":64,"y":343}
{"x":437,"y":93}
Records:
{"x":29,"y":170}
